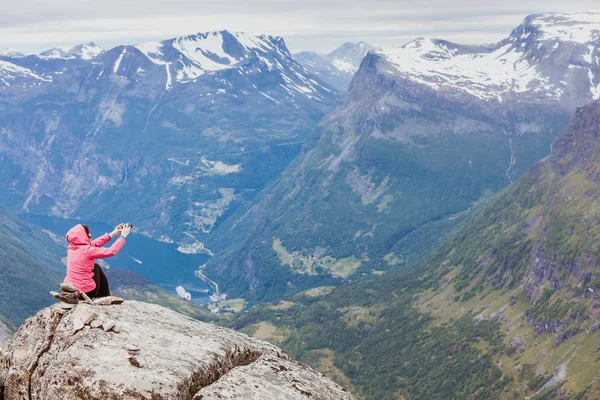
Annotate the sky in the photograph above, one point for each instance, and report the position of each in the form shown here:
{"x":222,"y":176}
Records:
{"x":32,"y":26}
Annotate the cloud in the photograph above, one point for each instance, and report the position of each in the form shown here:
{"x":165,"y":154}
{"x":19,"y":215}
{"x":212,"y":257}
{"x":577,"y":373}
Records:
{"x":181,"y":292}
{"x":34,"y":25}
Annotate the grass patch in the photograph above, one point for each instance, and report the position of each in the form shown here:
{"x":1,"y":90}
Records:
{"x":235,"y":305}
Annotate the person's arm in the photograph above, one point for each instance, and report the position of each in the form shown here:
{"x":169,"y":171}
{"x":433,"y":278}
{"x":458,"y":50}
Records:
{"x":101,"y":240}
{"x":104,"y":252}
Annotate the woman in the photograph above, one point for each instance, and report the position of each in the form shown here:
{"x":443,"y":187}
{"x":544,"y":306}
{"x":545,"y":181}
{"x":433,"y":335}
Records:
{"x":82,"y":271}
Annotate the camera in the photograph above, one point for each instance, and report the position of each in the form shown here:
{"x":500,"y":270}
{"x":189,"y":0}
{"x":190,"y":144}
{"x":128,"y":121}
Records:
{"x":129,"y":225}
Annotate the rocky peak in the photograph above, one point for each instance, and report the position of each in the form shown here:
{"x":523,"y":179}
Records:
{"x":578,"y":146}
{"x":141,"y":351}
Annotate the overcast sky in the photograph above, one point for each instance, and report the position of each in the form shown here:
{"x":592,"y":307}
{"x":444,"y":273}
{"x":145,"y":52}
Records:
{"x":321,"y":25}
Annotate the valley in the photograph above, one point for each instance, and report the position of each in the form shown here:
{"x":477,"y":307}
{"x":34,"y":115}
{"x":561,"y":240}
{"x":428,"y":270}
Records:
{"x":505,"y":308}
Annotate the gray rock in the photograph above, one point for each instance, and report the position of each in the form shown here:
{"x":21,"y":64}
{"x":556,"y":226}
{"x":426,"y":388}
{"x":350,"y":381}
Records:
{"x":108,"y":325}
{"x":96,"y":323}
{"x":78,"y":325}
{"x":84,"y":313}
{"x":132,"y":348}
{"x":109,"y":300}
{"x":183,"y":358}
{"x":67,"y":287}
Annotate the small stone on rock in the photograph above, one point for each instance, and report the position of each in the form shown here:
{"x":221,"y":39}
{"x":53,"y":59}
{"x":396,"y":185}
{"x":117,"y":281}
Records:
{"x":67,"y":287}
{"x":135,"y":362}
{"x":132,"y":347}
{"x":108,"y":300}
{"x":96,"y":323}
{"x":89,"y":317}
{"x":78,"y":325}
{"x":108,"y":325}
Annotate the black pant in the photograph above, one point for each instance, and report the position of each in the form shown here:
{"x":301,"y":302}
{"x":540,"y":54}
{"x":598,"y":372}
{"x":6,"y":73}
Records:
{"x":102,"y":289}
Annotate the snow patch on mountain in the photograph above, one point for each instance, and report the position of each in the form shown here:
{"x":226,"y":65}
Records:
{"x":580,"y":27}
{"x":482,"y":74}
{"x":10,"y":73}
{"x":209,"y":52}
{"x":118,"y":62}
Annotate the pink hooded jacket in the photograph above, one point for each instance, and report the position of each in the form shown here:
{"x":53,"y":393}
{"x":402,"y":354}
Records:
{"x":81,"y":255}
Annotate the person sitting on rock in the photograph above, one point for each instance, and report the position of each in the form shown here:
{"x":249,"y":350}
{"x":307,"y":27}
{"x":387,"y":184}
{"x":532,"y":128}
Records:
{"x":82,"y":271}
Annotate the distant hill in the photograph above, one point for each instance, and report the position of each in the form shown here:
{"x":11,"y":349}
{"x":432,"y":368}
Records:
{"x":30,"y":266}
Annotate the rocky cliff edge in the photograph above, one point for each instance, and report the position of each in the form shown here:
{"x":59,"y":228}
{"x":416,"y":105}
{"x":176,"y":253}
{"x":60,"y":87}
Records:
{"x":142,"y":351}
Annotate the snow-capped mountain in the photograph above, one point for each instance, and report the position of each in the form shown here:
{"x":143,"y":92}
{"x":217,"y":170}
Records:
{"x":82,"y":51}
{"x":40,"y":69}
{"x":338,"y":67}
{"x":548,"y":57}
{"x":11,"y":53}
{"x":191,"y":127}
{"x":187,"y":58}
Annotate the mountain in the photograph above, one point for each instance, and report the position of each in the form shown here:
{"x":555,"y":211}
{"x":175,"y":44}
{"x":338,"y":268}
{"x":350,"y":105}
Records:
{"x":338,"y":67}
{"x":11,"y":53}
{"x":506,"y":307}
{"x":82,"y":51}
{"x":30,"y":266}
{"x":172,"y":135}
{"x":427,"y":132}
{"x":149,"y":352}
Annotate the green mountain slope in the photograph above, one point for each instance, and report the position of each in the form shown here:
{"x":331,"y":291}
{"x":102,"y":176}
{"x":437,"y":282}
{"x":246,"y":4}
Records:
{"x":30,"y":266}
{"x":507,"y":307}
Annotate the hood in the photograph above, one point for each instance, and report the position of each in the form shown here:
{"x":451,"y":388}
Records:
{"x":77,"y":235}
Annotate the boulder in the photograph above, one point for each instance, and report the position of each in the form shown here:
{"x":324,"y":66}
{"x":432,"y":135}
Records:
{"x":158,"y":354}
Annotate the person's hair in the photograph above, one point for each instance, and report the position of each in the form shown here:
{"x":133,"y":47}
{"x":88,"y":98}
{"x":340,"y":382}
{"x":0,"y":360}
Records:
{"x":87,"y":229}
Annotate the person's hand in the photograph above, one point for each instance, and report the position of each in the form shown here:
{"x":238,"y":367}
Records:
{"x":125,"y":231}
{"x":116,"y":231}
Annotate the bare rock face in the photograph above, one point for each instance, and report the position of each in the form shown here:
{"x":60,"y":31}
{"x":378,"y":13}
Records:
{"x":154,"y":353}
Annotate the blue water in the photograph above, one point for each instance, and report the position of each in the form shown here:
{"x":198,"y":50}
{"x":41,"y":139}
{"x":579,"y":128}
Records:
{"x":161,"y":263}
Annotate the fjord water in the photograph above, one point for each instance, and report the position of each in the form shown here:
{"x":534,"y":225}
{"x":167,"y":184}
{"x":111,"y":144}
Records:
{"x":159,"y":262}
